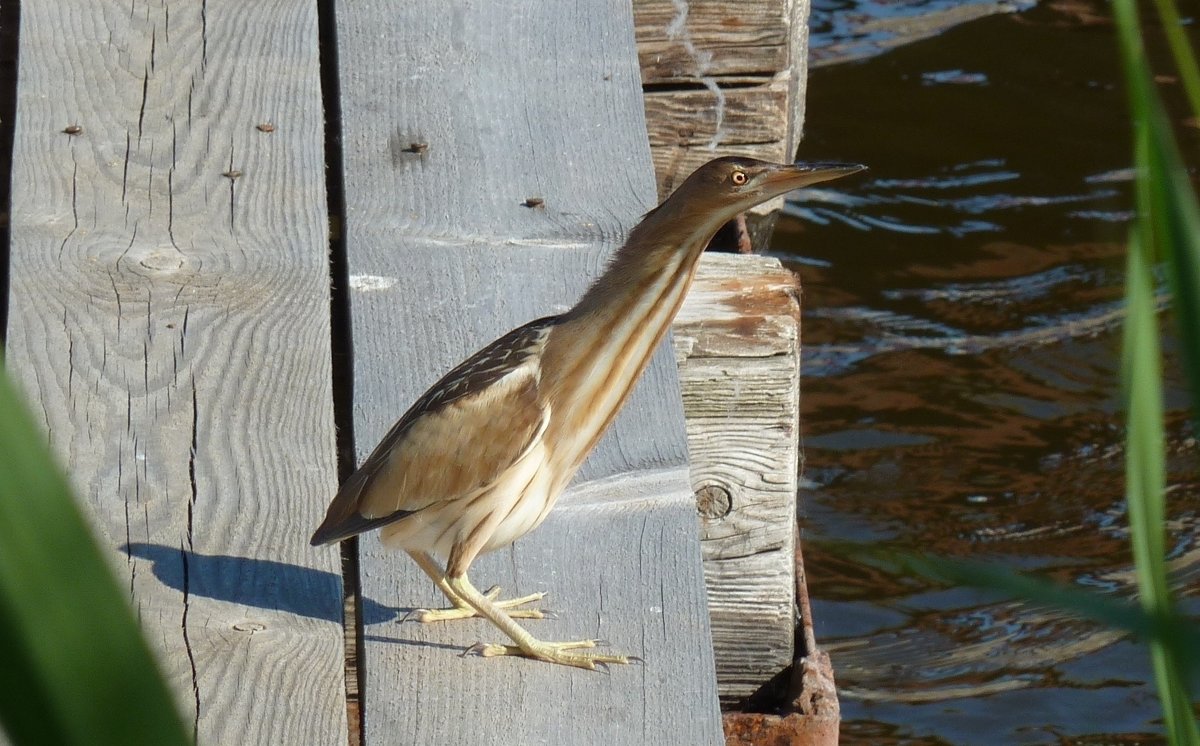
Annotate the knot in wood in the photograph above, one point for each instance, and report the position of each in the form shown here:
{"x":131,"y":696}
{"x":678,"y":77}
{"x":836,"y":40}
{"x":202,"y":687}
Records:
{"x":162,"y":259}
{"x":713,"y":501}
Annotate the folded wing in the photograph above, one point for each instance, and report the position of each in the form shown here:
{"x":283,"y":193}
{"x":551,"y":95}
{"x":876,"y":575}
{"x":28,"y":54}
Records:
{"x":457,"y":439}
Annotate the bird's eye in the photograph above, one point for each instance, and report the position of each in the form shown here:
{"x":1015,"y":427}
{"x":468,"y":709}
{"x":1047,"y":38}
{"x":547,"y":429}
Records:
{"x":739,"y":178}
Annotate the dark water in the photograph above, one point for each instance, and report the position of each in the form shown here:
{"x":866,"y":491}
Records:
{"x":961,"y":329}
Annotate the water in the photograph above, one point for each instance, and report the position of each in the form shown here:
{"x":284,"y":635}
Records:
{"x":961,"y":330}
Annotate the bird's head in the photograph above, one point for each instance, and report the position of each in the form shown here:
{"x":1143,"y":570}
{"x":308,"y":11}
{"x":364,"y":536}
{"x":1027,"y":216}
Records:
{"x":723,"y":187}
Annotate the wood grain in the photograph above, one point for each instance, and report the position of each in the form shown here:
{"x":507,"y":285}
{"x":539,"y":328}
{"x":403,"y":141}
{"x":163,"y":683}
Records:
{"x":750,"y":122}
{"x":723,"y":79}
{"x":454,"y":117}
{"x":738,"y":347}
{"x":594,"y":557}
{"x":752,"y":116}
{"x":171,"y":325}
{"x":701,"y":38}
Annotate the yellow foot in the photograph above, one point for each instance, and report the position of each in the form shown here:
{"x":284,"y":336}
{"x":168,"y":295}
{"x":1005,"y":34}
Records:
{"x":555,"y":652}
{"x":460,"y":609}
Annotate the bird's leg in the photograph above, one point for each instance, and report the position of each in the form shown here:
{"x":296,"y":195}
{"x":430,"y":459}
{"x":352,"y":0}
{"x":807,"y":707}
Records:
{"x":526,"y":644}
{"x":460,"y":608}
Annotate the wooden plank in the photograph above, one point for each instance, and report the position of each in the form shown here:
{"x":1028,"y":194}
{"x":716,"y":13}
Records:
{"x":595,"y":557}
{"x":171,"y":325}
{"x":730,"y":80}
{"x":686,"y":41}
{"x":750,"y":116}
{"x":746,"y":121}
{"x":797,"y":70}
{"x":506,"y":101}
{"x":738,"y":347}
{"x":723,"y":79}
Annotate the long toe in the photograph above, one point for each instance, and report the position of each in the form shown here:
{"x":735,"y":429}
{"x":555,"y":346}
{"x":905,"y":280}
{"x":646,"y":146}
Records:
{"x":511,"y":607}
{"x":562,"y":653}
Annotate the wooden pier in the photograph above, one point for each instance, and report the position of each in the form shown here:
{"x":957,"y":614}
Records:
{"x":196,"y":357}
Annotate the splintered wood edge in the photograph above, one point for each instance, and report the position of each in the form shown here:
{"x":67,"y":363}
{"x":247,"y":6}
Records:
{"x":736,"y":340}
{"x":731,"y":300}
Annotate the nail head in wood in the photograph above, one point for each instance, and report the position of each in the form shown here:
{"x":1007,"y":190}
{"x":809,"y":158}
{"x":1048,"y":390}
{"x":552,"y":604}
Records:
{"x":232,"y":174}
{"x":534,"y":202}
{"x":265,"y":127}
{"x":72,"y":129}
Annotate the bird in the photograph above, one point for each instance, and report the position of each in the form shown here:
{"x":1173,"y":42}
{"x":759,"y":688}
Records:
{"x":479,"y":459}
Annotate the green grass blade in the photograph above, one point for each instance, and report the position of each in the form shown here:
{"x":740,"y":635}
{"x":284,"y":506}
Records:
{"x":1181,"y":50}
{"x":1166,"y":196}
{"x":1167,"y":226}
{"x":1145,"y":467}
{"x":74,"y":668}
{"x":1113,"y":612}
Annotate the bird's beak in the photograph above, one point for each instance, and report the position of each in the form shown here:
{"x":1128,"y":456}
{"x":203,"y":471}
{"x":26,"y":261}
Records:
{"x":786,"y":178}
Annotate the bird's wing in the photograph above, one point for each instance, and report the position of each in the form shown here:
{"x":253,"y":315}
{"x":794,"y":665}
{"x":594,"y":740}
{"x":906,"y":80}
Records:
{"x":460,"y":436}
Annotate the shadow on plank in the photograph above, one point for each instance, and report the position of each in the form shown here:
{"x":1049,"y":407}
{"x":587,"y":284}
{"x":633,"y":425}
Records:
{"x":264,"y":584}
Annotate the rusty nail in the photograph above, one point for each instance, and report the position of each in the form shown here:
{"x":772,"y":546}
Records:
{"x":232,"y":174}
{"x":265,"y":127}
{"x":72,"y":129}
{"x":418,"y":147}
{"x":534,"y":202}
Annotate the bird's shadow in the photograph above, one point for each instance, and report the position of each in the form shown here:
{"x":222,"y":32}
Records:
{"x":263,"y":584}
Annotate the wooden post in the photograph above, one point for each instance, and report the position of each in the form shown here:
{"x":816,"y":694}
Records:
{"x":495,"y":153}
{"x":738,"y":346}
{"x":725,"y":78}
{"x":169,"y":318}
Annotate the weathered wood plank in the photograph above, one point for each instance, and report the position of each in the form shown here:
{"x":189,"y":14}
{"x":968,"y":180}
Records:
{"x":723,"y":79}
{"x":686,"y":41}
{"x":750,"y":116}
{"x":594,"y":557}
{"x":737,"y":343}
{"x":797,"y":70}
{"x":726,"y":79}
{"x":507,"y":101}
{"x":171,"y":324}
{"x":745,"y":121}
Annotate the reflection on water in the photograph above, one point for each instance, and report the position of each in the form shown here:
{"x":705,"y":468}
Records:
{"x":843,"y":30}
{"x":961,"y":327}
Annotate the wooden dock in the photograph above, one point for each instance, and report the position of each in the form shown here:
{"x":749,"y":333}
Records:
{"x":197,"y":358}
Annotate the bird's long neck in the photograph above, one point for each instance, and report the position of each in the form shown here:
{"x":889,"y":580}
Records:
{"x":594,"y":358}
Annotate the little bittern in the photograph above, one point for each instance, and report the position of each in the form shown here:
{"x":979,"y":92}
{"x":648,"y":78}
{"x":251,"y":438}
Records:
{"x":481,"y":457}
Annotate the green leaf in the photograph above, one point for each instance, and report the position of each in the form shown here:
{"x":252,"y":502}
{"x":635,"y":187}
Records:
{"x":1185,"y":58}
{"x":1113,"y":612}
{"x":75,"y":668}
{"x":1167,"y":227}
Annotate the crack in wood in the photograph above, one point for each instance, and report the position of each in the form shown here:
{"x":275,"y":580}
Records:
{"x":74,"y":204}
{"x":185,"y":554}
